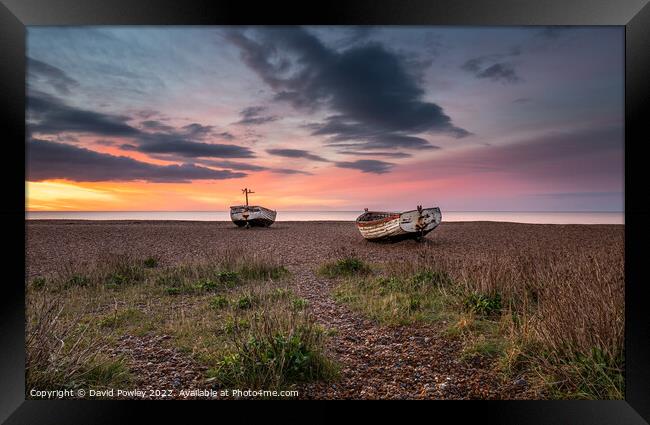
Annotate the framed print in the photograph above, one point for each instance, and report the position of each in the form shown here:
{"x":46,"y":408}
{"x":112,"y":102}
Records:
{"x":369,"y":201}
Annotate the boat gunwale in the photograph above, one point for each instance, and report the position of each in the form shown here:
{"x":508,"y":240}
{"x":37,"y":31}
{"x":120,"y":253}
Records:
{"x":251,"y":206}
{"x":391,"y":217}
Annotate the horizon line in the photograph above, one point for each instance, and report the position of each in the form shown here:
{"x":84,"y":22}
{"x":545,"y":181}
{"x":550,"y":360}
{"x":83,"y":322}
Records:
{"x":320,"y":211}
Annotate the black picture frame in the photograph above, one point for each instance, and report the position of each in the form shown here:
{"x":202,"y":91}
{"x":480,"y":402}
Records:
{"x":15,"y":15}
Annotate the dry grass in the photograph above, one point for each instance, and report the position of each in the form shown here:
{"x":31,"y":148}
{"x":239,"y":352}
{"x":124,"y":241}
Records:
{"x":552,"y":314}
{"x":64,"y":353}
{"x":232,"y":314}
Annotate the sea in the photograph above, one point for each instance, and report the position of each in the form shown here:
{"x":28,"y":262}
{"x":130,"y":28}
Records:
{"x":502,"y":216}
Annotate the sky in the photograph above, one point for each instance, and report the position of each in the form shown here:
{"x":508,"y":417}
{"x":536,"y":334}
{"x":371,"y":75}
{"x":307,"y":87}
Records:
{"x":325,"y":118}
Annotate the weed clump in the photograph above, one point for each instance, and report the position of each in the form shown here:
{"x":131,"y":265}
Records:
{"x":219,"y":302}
{"x":150,"y":262}
{"x":172,"y":290}
{"x":39,"y":283}
{"x":483,"y":304}
{"x":275,"y":358}
{"x":342,"y":267}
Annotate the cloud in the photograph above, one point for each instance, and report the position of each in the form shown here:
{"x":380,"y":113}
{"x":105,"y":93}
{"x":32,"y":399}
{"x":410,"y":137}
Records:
{"x":196,"y":130}
{"x":594,"y":155}
{"x":48,"y":115}
{"x":375,"y":99}
{"x":55,"y":77}
{"x":251,"y":116}
{"x":172,"y":144}
{"x":296,"y":153}
{"x":156,"y":125}
{"x":355,"y":35}
{"x":226,"y":135}
{"x":50,"y":160}
{"x":367,"y":165}
{"x":290,"y":171}
{"x":553,"y":32}
{"x":500,"y":72}
{"x":384,"y":154}
{"x":243,"y":166}
{"x":357,"y":136}
{"x":105,"y":142}
{"x":493,"y":67}
{"x":231,"y":165}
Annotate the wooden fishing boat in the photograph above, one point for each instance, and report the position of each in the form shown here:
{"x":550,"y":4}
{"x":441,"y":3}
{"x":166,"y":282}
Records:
{"x":395,"y":226}
{"x":251,"y":215}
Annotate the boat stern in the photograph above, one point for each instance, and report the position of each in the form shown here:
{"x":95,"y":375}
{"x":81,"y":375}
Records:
{"x":422,"y":220}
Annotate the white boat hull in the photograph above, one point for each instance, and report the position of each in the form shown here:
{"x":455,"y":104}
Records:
{"x":398,"y":226}
{"x":254,"y":216}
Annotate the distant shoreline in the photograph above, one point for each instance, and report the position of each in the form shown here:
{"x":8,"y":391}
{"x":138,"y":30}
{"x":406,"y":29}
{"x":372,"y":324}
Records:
{"x":62,"y":221}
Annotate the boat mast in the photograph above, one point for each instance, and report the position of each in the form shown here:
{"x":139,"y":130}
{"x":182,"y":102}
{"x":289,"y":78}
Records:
{"x":246,"y":191}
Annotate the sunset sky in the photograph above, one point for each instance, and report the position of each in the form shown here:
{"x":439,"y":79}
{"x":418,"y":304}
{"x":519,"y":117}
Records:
{"x":325,"y":118}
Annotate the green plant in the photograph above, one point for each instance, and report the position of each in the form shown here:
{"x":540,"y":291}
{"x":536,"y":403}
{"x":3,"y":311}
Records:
{"x":483,"y":304}
{"x":169,"y":279}
{"x":228,"y":278}
{"x":219,"y":302}
{"x":299,"y":303}
{"x":77,"y":280}
{"x":274,"y":359}
{"x":245,"y":302}
{"x":116,"y":279}
{"x":104,"y":374}
{"x":121,"y":317}
{"x":150,"y":262}
{"x":173,"y":290}
{"x":39,"y":283}
{"x":232,"y":325}
{"x":208,"y":285}
{"x":347,"y":266}
{"x":434,"y":278}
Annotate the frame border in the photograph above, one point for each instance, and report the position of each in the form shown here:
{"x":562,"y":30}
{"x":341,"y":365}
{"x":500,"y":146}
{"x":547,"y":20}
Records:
{"x":15,"y":15}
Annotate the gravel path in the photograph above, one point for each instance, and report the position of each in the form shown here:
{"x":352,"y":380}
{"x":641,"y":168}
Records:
{"x":377,"y":361}
{"x":395,"y":362}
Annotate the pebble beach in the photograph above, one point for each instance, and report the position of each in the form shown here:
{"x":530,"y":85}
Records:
{"x":377,"y":361}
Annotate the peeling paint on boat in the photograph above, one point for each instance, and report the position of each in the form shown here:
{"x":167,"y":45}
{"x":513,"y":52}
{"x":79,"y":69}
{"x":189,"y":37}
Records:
{"x":251,"y":215}
{"x":379,"y":225}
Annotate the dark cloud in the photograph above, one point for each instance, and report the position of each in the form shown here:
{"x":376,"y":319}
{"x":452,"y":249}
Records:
{"x":493,"y":67}
{"x":553,"y":32}
{"x":48,"y":115}
{"x":105,"y":142}
{"x":290,"y":171}
{"x":251,"y":116}
{"x":367,"y":165}
{"x":174,"y":144}
{"x":594,"y":154}
{"x":156,"y":125}
{"x":522,"y":100}
{"x":375,"y":98}
{"x":226,"y":135}
{"x":50,"y":160}
{"x":244,"y":166}
{"x":355,"y":35}
{"x":231,"y":165}
{"x":296,"y":153}
{"x":55,"y":77}
{"x":344,"y":134}
{"x":384,"y":154}
{"x":196,"y":130}
{"x":500,"y":72}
